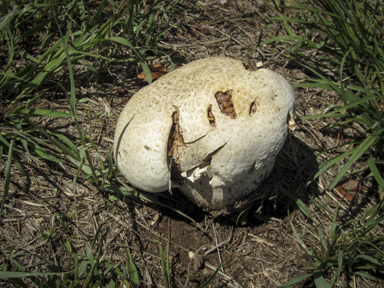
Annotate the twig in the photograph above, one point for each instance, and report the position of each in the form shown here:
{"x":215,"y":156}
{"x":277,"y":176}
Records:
{"x":218,"y":251}
{"x":122,"y":102}
{"x":262,"y":241}
{"x":238,"y":241}
{"x":175,"y":46}
{"x":225,"y":276}
{"x":216,"y":247}
{"x":230,"y":37}
{"x":122,"y":223}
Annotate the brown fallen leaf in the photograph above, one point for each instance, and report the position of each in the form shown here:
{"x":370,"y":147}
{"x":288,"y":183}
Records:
{"x":345,"y":186}
{"x":157,"y":71}
{"x":350,"y":184}
{"x":342,"y":193}
{"x":123,"y":90}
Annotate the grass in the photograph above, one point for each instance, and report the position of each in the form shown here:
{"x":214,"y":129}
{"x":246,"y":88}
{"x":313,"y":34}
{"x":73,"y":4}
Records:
{"x":338,"y":43}
{"x":85,"y":37}
{"x":345,"y":37}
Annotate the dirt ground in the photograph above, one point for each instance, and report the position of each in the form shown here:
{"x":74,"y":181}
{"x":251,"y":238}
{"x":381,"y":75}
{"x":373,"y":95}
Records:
{"x":257,"y":247}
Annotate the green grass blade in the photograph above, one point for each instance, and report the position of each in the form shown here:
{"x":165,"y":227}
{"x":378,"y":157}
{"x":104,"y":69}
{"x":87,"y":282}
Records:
{"x":10,"y":44}
{"x":65,"y":149}
{"x":361,"y":149}
{"x":166,"y":276}
{"x":341,"y":75}
{"x":368,"y":276}
{"x":41,"y":152}
{"x":336,"y":276}
{"x":6,"y":19}
{"x":133,"y":273}
{"x":295,"y":281}
{"x":39,"y":112}
{"x":320,"y":281}
{"x":92,"y":272}
{"x":334,"y":226}
{"x":118,"y":190}
{"x":298,"y":202}
{"x":7,"y":178}
{"x":370,"y":259}
{"x":111,"y":284}
{"x":110,"y":163}
{"x":375,"y":171}
{"x":82,"y":268}
{"x":9,"y":274}
{"x":67,"y":142}
{"x":206,"y":283}
{"x":4,"y":143}
{"x":89,"y":254}
{"x":325,"y":166}
{"x":145,"y":67}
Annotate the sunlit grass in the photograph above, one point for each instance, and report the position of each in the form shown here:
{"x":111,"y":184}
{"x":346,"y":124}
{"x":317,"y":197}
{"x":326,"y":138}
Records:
{"x":85,"y":35}
{"x":343,"y":39}
{"x":92,"y":31}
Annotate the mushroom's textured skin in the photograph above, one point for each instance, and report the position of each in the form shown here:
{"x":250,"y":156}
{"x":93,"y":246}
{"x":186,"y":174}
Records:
{"x":211,"y":127}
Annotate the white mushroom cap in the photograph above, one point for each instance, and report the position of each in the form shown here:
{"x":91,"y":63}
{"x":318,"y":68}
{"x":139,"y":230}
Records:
{"x":212,"y":127}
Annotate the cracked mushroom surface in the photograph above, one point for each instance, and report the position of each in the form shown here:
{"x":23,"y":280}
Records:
{"x":211,"y":128}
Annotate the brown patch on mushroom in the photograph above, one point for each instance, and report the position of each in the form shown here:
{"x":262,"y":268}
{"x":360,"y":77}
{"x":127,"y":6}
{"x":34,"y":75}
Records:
{"x":147,"y":147}
{"x":175,"y":138}
{"x":291,"y":124}
{"x":211,"y":117}
{"x":224,"y":101}
{"x":252,"y":109}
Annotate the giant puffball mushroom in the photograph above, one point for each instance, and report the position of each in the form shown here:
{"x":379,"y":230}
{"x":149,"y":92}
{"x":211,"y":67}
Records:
{"x":211,"y":128}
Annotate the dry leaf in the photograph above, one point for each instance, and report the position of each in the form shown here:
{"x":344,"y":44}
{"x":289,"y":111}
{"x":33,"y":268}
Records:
{"x":122,"y":91}
{"x":342,"y":193}
{"x":345,"y":186}
{"x":157,"y":71}
{"x":350,"y":184}
{"x":155,"y":220}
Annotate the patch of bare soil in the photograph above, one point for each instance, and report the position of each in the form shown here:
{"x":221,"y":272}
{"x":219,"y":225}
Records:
{"x":44,"y":217}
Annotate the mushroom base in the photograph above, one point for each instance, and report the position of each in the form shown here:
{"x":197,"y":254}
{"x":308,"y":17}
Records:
{"x":222,"y":201}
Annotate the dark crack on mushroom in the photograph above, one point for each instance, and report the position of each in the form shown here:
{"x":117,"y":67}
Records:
{"x":224,"y":101}
{"x":253,"y":108}
{"x":207,"y":160}
{"x":175,"y":138}
{"x":211,"y":117}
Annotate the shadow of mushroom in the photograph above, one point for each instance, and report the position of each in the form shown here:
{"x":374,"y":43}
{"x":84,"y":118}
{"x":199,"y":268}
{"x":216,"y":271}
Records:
{"x":294,"y":167}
